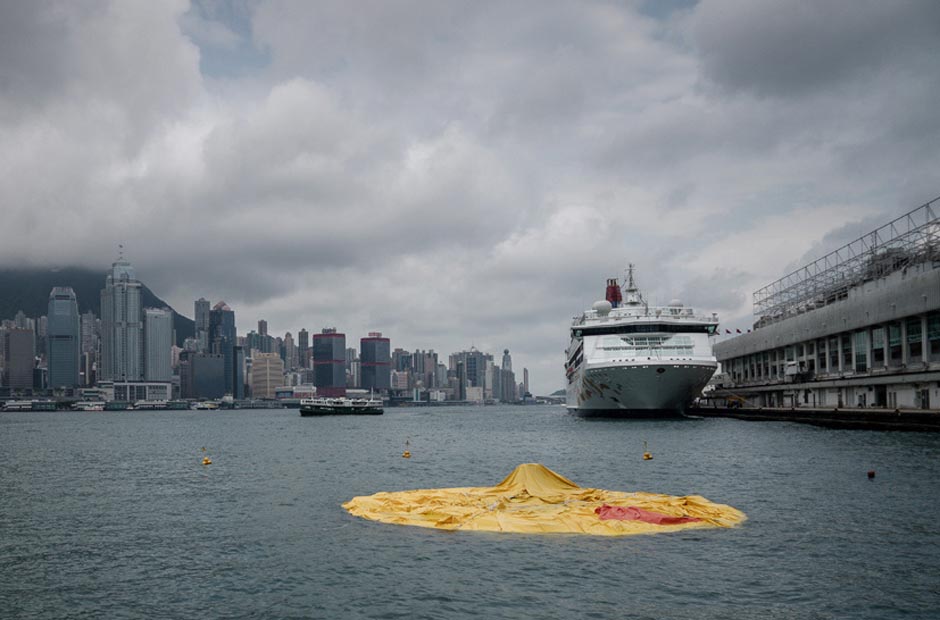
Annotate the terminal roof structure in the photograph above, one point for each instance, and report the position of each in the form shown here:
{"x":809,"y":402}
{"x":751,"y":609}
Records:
{"x":912,"y":238}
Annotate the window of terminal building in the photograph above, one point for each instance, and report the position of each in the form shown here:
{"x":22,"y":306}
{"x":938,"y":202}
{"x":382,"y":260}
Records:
{"x":933,"y":335}
{"x":894,"y":344}
{"x":799,"y":350}
{"x":878,"y":347}
{"x":861,"y":351}
{"x":846,"y":352}
{"x":809,"y":348}
{"x":789,"y":353}
{"x":833,"y":355}
{"x":915,"y":346}
{"x":821,"y":355}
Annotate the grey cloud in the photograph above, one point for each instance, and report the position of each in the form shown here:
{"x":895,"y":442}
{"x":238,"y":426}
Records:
{"x":452,"y":174}
{"x":788,"y":49}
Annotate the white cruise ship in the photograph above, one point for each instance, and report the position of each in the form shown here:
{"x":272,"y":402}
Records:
{"x":627,"y":358}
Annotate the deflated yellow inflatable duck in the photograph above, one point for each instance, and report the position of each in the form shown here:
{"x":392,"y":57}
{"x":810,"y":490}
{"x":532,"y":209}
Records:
{"x":535,"y":500}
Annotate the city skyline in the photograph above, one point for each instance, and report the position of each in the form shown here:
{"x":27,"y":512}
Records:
{"x":138,"y":355}
{"x":458,"y":174}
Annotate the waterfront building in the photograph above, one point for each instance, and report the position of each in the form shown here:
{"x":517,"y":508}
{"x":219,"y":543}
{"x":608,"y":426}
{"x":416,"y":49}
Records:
{"x":290,"y":352}
{"x":375,"y":362}
{"x":303,"y":348}
{"x":507,"y":360}
{"x":329,"y":362}
{"x":267,"y":374}
{"x":205,"y":376}
{"x":158,"y":342}
{"x":133,"y":391}
{"x":462,"y":381}
{"x":399,"y":380}
{"x":88,"y":369}
{"x":525,"y":382}
{"x":860,"y":327}
{"x":474,"y":362}
{"x":19,"y":358}
{"x":122,"y":335}
{"x":89,"y":327}
{"x":201,"y":324}
{"x":507,"y":392}
{"x":401,"y":360}
{"x":263,"y":328}
{"x":425,"y":368}
{"x":354,"y":374}
{"x":223,"y":341}
{"x":63,"y":339}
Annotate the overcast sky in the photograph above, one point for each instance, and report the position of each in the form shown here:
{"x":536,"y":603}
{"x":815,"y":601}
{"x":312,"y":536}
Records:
{"x":460,"y":173}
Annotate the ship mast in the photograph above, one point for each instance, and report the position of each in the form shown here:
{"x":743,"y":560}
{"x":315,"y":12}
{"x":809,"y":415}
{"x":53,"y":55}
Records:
{"x":631,"y":294}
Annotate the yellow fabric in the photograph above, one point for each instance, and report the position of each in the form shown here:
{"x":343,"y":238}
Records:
{"x":534,"y":499}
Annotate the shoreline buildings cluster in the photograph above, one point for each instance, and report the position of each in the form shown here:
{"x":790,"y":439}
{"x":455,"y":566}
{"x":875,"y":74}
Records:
{"x":130,"y":354}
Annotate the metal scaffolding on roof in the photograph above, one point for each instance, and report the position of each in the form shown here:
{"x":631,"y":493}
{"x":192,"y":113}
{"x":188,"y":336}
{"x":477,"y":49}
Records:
{"x":912,"y":238}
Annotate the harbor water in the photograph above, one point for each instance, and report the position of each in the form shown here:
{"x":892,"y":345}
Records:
{"x":112,"y":515}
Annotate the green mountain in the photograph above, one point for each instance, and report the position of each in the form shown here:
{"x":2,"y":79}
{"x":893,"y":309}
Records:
{"x":27,"y":289}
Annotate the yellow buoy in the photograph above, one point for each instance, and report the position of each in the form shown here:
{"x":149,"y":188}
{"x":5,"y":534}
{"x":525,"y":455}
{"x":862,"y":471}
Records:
{"x":406,"y":454}
{"x":647,"y":456}
{"x":206,"y":460}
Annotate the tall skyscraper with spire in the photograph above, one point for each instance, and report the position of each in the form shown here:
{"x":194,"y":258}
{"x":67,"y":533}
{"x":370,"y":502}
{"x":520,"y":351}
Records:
{"x":63,"y":338}
{"x":122,"y":334}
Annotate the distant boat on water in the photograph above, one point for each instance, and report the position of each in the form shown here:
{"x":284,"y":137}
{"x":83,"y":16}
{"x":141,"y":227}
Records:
{"x":341,"y":406}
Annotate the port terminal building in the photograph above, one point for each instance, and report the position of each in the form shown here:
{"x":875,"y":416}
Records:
{"x":857,"y":328}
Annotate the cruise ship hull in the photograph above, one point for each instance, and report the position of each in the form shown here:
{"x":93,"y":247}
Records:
{"x":648,"y":389}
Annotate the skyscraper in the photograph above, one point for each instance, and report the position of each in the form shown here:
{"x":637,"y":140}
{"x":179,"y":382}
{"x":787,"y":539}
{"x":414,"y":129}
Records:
{"x":223,"y":340}
{"x":89,"y":328}
{"x":262,"y":327}
{"x":329,"y":363}
{"x":18,"y":358}
{"x":375,"y":362}
{"x":267,"y":374}
{"x":507,"y":360}
{"x":158,"y":340}
{"x":63,"y":338}
{"x":303,"y":345}
{"x":122,"y":335}
{"x":290,"y":352}
{"x":474,"y":362}
{"x":201,"y":308}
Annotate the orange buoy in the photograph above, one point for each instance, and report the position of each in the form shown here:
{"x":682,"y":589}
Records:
{"x":406,"y":454}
